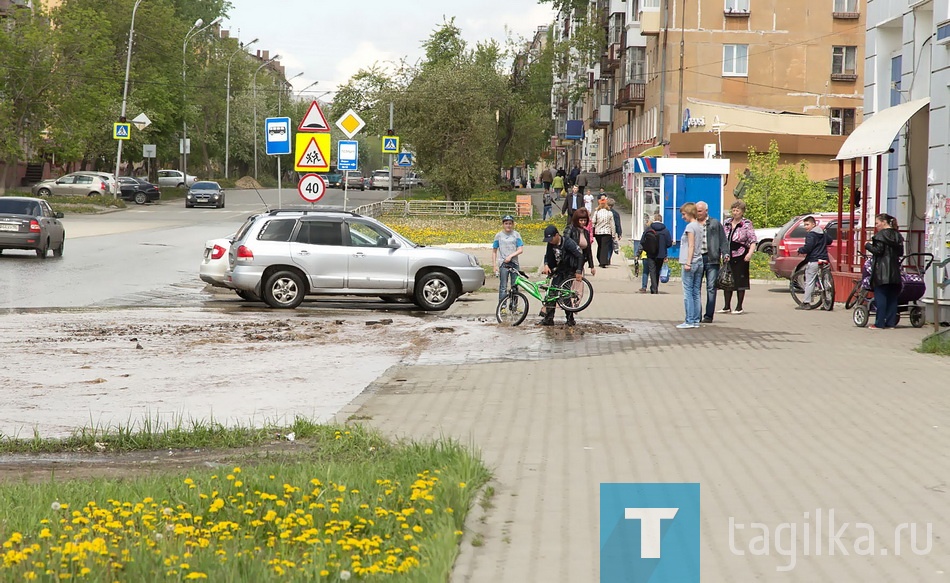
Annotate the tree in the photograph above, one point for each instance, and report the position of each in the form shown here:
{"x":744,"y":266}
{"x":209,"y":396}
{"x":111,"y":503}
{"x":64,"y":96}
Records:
{"x":774,"y":193}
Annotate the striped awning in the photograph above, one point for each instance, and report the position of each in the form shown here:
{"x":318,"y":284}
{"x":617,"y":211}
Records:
{"x":646,"y":165}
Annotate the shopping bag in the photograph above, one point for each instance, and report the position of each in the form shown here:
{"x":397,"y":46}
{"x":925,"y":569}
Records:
{"x":665,"y":273}
{"x":725,"y":281}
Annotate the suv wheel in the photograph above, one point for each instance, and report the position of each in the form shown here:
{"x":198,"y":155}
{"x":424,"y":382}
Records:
{"x":435,"y":291}
{"x":284,"y":290}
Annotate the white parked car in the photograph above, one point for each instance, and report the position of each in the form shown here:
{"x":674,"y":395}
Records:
{"x":764,"y":238}
{"x":214,"y":267}
{"x":175,"y":179}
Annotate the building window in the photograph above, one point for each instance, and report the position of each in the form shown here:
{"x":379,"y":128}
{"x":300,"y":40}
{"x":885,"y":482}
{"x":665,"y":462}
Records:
{"x":633,"y":7}
{"x":735,"y":60}
{"x":843,"y":60}
{"x":842,"y":121}
{"x":650,"y":3}
{"x":636,"y":71}
{"x":846,"y":6}
{"x":737,"y":6}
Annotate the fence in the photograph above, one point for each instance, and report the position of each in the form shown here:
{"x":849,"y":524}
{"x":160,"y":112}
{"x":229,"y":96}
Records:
{"x":445,"y":207}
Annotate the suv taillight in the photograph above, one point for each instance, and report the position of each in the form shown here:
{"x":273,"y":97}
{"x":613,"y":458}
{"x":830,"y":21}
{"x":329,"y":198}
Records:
{"x":217,"y":252}
{"x":34,"y":227}
{"x":244,"y":253}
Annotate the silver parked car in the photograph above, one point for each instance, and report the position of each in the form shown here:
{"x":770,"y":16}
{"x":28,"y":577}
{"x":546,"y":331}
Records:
{"x":283,"y":255}
{"x":75,"y":184}
{"x":112,"y":183}
{"x":175,"y":179}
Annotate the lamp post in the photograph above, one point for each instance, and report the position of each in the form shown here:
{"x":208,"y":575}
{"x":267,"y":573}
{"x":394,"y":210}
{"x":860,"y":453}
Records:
{"x":280,"y":90}
{"x":305,"y":88}
{"x":184,"y":112}
{"x":227,"y":111}
{"x":254,"y":84}
{"x":125,"y":93}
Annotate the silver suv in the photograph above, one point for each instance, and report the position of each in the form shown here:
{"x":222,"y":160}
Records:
{"x":283,"y":255}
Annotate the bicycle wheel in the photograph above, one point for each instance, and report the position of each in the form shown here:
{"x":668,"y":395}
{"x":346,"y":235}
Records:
{"x":796,"y":286}
{"x":855,"y":297}
{"x":512,"y":309}
{"x":827,"y":289}
{"x":575,"y":296}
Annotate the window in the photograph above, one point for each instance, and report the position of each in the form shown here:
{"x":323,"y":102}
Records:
{"x":734,"y":6}
{"x":846,"y":5}
{"x":319,"y":233}
{"x":277,"y":230}
{"x":365,"y":235}
{"x":735,"y":60}
{"x":650,"y":3}
{"x":83,"y":179}
{"x":842,"y":121}
{"x":843,"y":60}
{"x":636,"y":71}
{"x":634,"y":10}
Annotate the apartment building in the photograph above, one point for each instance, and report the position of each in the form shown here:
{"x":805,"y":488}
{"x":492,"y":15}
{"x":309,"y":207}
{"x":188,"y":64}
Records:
{"x":682,"y":74}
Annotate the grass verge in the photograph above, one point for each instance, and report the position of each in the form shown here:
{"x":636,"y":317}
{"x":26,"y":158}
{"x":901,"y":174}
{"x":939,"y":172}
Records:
{"x":936,"y":344}
{"x":357,"y":506}
{"x":443,"y":230}
{"x":76,"y":204}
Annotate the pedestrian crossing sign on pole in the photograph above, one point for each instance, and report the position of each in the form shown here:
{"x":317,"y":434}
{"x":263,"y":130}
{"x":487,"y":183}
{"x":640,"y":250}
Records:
{"x":312,"y":152}
{"x":390,"y":144}
{"x":121,"y":131}
{"x":404,"y":159}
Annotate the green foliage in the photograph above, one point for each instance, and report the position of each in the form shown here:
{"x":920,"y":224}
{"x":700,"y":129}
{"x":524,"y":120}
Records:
{"x":774,"y":192}
{"x":936,"y":344}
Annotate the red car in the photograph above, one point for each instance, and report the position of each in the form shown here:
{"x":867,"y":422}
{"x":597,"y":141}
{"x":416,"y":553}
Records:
{"x":790,"y":238}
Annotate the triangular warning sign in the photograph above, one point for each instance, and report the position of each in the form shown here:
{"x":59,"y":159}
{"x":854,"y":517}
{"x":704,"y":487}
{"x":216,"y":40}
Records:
{"x":312,"y":158}
{"x":314,"y":121}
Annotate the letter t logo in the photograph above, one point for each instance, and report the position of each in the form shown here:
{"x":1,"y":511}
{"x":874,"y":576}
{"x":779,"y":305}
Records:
{"x":650,"y":523}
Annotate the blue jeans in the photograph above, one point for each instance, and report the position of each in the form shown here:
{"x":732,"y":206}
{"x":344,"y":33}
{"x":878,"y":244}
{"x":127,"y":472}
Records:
{"x":711,"y":273}
{"x":885,"y":300}
{"x":548,"y":212}
{"x":692,"y":285}
{"x":503,"y":274}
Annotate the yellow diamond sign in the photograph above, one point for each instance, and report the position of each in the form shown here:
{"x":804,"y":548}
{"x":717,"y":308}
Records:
{"x":350,"y":123}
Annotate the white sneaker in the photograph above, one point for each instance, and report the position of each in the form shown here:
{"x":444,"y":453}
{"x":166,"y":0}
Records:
{"x":725,"y":311}
{"x":685,"y":326}
{"x":737,"y":312}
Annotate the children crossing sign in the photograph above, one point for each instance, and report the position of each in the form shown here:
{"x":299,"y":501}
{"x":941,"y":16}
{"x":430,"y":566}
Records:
{"x":312,"y":152}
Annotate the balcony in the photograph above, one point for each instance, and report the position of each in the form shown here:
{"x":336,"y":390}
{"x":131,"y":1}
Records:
{"x":602,"y":116}
{"x":610,"y":61}
{"x":561,"y":106}
{"x":650,"y":21}
{"x":631,"y":95}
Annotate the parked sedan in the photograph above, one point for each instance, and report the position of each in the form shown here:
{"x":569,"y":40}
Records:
{"x":138,"y":190}
{"x":205,"y":193}
{"x":354,"y":179}
{"x":214,"y":267}
{"x":75,"y":184}
{"x":175,"y":178}
{"x":30,"y":224}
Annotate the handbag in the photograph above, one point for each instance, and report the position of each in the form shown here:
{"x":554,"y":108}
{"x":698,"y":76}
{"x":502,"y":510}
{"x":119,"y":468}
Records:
{"x":665,"y":273}
{"x":725,"y":281}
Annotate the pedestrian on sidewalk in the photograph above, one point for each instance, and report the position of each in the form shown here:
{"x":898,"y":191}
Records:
{"x":589,"y":202}
{"x":572,"y":202}
{"x":604,"y":232}
{"x":741,"y":235}
{"x":572,"y":177}
{"x":548,"y":199}
{"x":563,"y":259}
{"x":691,"y":260}
{"x":579,"y":231}
{"x":886,"y":248}
{"x":546,"y":178}
{"x":505,"y":250}
{"x":715,"y":249}
{"x":655,"y":243}
{"x":618,"y":223}
{"x":815,"y":250}
{"x":557,"y":186}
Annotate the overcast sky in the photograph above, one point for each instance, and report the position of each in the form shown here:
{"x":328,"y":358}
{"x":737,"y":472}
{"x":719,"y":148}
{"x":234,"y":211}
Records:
{"x":330,"y":40}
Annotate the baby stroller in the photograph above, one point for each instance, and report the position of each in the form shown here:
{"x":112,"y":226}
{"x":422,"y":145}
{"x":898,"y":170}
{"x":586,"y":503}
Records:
{"x":913,"y":268}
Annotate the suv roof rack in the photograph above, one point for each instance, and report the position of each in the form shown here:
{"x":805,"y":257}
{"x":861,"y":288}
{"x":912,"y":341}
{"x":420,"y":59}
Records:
{"x":308,"y":211}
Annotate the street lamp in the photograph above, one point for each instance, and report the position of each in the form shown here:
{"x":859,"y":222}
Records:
{"x":184,"y":113}
{"x":125,"y":94}
{"x":227,"y":114}
{"x":305,"y":88}
{"x":280,"y":89}
{"x":254,"y":83}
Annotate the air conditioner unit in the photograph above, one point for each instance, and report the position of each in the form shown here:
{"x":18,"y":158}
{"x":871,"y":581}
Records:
{"x":709,"y":150}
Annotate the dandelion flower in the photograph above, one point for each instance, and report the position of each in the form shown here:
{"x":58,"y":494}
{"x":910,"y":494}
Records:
{"x":56,"y":505}
{"x":344,"y":575}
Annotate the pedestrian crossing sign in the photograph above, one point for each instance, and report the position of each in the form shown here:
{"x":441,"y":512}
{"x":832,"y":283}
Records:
{"x":121,"y":131}
{"x":390,"y":144}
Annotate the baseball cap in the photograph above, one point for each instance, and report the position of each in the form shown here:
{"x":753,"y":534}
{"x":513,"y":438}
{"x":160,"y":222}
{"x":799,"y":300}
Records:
{"x":549,"y":232}
{"x":507,"y":218}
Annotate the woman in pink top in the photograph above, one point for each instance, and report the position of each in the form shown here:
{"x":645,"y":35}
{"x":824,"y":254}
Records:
{"x":741,"y":235}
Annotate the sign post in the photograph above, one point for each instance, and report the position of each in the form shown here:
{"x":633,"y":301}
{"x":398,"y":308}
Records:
{"x":312,"y":187}
{"x":277,"y":136}
{"x":347,"y":158}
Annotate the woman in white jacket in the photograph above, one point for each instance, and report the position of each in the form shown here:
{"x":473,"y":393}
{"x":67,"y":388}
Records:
{"x":604,"y":232}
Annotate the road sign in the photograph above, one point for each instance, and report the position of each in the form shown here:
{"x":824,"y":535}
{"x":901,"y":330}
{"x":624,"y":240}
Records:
{"x":314,"y":120}
{"x":350,"y":123}
{"x":149,"y":151}
{"x":121,"y":131}
{"x":184,"y":146}
{"x":312,"y":152}
{"x":277,"y":132}
{"x":142,"y":121}
{"x":347,"y":154}
{"x":390,"y":144}
{"x":312,"y":187}
{"x":404,"y":159}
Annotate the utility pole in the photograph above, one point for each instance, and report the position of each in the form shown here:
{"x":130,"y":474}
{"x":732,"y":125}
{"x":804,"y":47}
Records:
{"x":682,"y":52}
{"x":664,"y":24}
{"x":392,"y":132}
{"x":125,"y":94}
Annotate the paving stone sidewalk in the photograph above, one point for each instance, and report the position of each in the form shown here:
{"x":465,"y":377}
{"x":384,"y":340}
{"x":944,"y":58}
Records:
{"x":775,"y":412}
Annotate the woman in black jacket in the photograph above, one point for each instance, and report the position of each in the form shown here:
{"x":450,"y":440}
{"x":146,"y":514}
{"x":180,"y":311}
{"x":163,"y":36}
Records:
{"x":887,"y":248}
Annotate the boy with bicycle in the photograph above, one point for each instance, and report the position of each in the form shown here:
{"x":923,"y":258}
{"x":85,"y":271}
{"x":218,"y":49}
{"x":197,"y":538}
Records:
{"x":564,"y":258}
{"x":815,"y":250}
{"x":508,"y":246}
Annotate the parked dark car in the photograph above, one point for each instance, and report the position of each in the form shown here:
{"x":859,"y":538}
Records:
{"x":138,"y":190}
{"x":790,"y":238}
{"x":30,"y":224}
{"x":205,"y":193}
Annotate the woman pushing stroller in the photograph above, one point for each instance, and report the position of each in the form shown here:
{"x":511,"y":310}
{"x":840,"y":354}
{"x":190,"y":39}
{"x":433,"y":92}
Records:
{"x":886,"y":248}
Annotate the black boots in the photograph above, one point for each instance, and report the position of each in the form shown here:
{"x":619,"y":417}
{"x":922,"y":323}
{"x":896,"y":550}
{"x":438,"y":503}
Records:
{"x":548,"y":319}
{"x":570,"y":319}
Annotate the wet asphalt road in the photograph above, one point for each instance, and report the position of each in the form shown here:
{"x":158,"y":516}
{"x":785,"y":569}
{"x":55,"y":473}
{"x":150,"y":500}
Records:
{"x":142,"y":255}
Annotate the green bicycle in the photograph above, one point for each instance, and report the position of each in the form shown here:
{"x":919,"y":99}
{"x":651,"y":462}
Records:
{"x":572,"y":296}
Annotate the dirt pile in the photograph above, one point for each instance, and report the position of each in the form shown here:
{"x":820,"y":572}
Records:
{"x":247,"y":182}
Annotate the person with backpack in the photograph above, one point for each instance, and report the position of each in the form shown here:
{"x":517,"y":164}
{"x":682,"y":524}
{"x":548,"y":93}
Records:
{"x":655,"y":242}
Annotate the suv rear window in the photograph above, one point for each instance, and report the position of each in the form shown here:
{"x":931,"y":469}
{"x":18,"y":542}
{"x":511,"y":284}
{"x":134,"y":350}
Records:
{"x":277,"y":230}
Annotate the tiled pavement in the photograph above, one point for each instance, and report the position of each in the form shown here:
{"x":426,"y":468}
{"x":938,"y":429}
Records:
{"x":774,"y":412}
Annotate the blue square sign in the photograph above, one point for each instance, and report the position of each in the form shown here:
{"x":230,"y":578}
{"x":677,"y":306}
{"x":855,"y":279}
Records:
{"x":277,"y":138}
{"x":649,"y":533}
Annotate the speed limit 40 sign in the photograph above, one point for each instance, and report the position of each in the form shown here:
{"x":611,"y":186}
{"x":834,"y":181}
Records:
{"x":312,"y":187}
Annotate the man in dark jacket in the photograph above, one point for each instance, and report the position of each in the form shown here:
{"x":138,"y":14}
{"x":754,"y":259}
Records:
{"x":572,"y":177}
{"x":572,"y":202}
{"x":815,"y":250}
{"x":562,"y":257}
{"x":656,"y":250}
{"x":715,"y":248}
